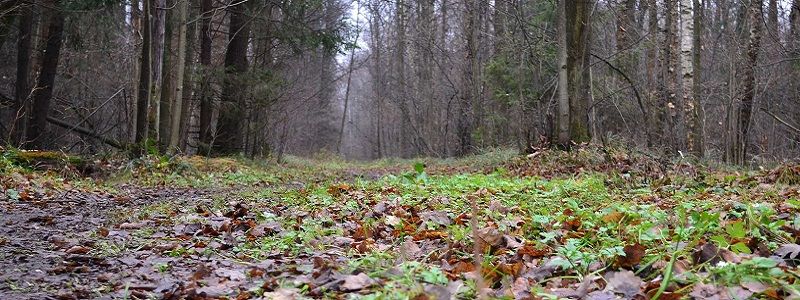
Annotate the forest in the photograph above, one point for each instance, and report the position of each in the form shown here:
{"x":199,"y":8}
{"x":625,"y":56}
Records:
{"x":400,"y":149}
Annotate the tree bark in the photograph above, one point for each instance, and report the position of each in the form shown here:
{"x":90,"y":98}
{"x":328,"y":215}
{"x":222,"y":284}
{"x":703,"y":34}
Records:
{"x":670,"y":66}
{"x":206,"y":103}
{"x":653,"y":84}
{"x":579,"y":29}
{"x":563,"y":121}
{"x":177,"y":105}
{"x":690,"y":105}
{"x":21,"y":88}
{"x":468,"y":83}
{"x":747,"y":93}
{"x":158,"y":15}
{"x":794,"y":28}
{"x":143,"y":95}
{"x":699,"y":114}
{"x":48,"y":68}
{"x":167,"y":95}
{"x":230,"y":139}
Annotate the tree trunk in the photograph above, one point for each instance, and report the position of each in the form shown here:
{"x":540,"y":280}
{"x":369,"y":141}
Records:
{"x":698,"y":114}
{"x":563,"y":80}
{"x":21,"y":88}
{"x":143,"y":95}
{"x":690,"y":105}
{"x":654,"y":87}
{"x":468,"y":82}
{"x":670,"y":66}
{"x":400,"y":69}
{"x":158,"y":15}
{"x":37,"y":126}
{"x":579,"y":29}
{"x":748,"y":80}
{"x":206,"y":103}
{"x":230,"y":139}
{"x":168,"y":84}
{"x":794,"y":28}
{"x":377,"y":75}
{"x":177,"y":105}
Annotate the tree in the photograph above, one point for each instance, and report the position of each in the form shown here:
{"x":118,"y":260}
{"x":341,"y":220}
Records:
{"x":206,"y":104}
{"x":691,"y":106}
{"x":748,"y":80}
{"x":579,"y":32}
{"x":48,"y":68}
{"x":469,"y":83}
{"x":21,"y":87}
{"x":143,"y":93}
{"x":563,"y":138}
{"x":158,"y":28}
{"x":177,"y":105}
{"x":230,"y":139}
{"x":794,"y":28}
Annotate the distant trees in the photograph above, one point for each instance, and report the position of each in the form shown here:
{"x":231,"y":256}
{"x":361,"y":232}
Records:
{"x":709,"y":78}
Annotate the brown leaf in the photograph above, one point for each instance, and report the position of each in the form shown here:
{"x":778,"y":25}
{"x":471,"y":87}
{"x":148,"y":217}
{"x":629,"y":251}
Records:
{"x":633,"y":256}
{"x":283,"y":294}
{"x":624,"y":282}
{"x":131,"y":226}
{"x":356,"y":282}
{"x":521,"y":289}
{"x":613,"y":217}
{"x":409,"y":249}
{"x":102,"y":231}
{"x":708,"y":253}
{"x":490,"y":236}
{"x":430,"y":235}
{"x":460,"y":268}
{"x":78,"y":249}
{"x":533,"y":251}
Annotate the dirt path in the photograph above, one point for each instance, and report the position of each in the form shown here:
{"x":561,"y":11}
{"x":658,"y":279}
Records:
{"x":49,"y":246}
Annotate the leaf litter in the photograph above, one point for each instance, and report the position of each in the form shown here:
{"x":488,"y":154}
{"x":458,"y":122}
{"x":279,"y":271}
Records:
{"x":598,"y":230}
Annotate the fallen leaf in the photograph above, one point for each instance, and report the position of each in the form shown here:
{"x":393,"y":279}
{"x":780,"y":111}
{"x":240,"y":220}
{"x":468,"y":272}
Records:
{"x":78,"y":249}
{"x":624,"y":282}
{"x":708,"y":253}
{"x":521,"y":289}
{"x":409,"y":249}
{"x":283,"y":294}
{"x":790,"y":253}
{"x":356,"y":282}
{"x":633,"y":256}
{"x":490,"y":236}
{"x":436,"y":217}
{"x":131,"y":226}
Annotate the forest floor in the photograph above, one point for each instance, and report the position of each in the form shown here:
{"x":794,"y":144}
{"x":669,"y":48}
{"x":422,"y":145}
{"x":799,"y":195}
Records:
{"x":589,"y":224}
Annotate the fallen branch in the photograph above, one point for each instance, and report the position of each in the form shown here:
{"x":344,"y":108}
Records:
{"x":85,"y":132}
